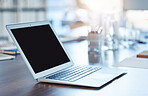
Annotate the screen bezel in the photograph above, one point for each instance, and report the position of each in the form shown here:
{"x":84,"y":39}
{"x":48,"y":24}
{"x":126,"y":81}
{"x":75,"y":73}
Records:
{"x":32,"y":24}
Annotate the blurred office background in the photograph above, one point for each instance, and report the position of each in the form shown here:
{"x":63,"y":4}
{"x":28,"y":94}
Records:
{"x":67,"y":15}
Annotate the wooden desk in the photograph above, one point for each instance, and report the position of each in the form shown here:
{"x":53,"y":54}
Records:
{"x":16,"y":80}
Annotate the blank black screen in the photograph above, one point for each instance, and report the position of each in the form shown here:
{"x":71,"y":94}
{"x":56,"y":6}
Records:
{"x":41,"y":47}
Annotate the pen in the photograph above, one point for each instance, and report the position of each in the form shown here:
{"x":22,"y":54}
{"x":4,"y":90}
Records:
{"x":141,"y":42}
{"x":8,"y":52}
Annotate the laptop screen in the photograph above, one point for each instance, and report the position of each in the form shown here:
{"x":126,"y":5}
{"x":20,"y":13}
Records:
{"x":41,"y":47}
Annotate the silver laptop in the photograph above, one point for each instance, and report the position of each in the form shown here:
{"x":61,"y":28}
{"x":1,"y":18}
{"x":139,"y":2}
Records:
{"x":48,"y":61}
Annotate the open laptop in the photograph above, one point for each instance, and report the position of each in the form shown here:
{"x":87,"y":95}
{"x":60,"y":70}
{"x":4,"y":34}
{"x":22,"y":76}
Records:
{"x":48,"y":61}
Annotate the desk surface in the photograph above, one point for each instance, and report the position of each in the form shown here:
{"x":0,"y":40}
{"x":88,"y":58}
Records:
{"x":16,"y":80}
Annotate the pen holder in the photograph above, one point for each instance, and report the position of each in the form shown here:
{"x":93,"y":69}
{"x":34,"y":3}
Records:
{"x":94,"y":40}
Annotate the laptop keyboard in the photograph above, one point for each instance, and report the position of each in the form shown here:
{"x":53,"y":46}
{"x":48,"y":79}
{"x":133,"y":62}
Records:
{"x":73,"y":73}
